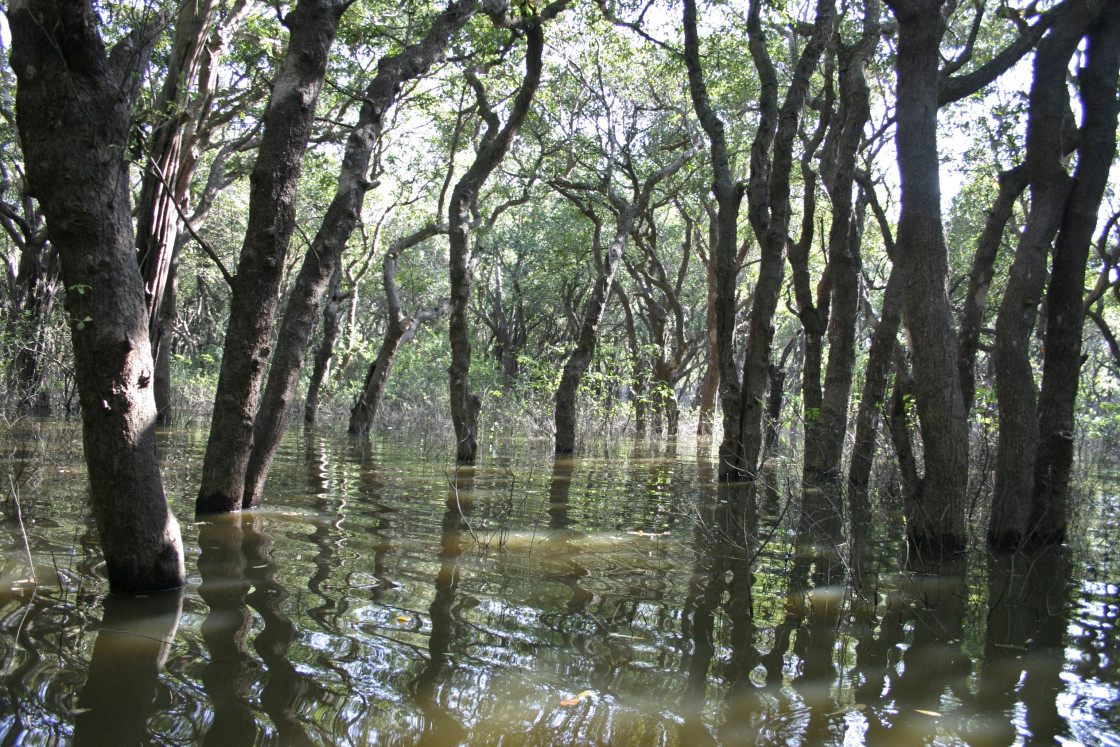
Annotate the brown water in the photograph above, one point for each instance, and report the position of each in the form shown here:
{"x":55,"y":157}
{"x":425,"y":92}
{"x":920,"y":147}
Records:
{"x":383,"y":597}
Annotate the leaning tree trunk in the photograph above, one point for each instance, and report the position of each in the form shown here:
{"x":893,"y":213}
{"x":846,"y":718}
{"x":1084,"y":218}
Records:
{"x":272,"y":207}
{"x":580,"y":358}
{"x":935,"y":516}
{"x":465,"y":405}
{"x":74,"y":102}
{"x":401,"y":327}
{"x":325,"y":252}
{"x":1065,"y":313}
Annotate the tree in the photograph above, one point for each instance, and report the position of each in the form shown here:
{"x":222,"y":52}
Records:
{"x":74,"y":101}
{"x":496,"y":140}
{"x":272,"y":202}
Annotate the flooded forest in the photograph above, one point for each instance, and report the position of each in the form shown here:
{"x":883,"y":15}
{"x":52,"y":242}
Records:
{"x":512,"y":372}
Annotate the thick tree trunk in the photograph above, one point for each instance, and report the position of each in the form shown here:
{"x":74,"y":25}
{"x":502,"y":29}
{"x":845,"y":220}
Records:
{"x":326,"y":249}
{"x":935,"y":518}
{"x":1065,"y":312}
{"x":73,"y":101}
{"x":1016,"y":391}
{"x":465,"y":406}
{"x":272,"y":205}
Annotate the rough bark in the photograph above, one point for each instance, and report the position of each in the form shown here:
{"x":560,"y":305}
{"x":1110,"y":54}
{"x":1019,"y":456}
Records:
{"x":73,"y":101}
{"x":272,"y":204}
{"x":1016,"y":391}
{"x":325,"y":252}
{"x":1061,"y":366}
{"x":401,"y":327}
{"x":935,"y":515}
{"x":465,"y":405}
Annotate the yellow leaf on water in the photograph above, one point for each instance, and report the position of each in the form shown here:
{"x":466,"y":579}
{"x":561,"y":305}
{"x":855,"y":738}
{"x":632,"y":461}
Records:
{"x":927,"y":713}
{"x":586,"y":694}
{"x":403,"y":618}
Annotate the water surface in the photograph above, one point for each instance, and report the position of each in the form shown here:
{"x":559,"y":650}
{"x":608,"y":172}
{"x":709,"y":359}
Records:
{"x":384,"y":596}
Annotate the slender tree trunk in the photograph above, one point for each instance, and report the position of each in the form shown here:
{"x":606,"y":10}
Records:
{"x":580,"y":359}
{"x":723,"y":256}
{"x":935,"y":517}
{"x":1061,"y":367}
{"x":325,"y":252}
{"x":465,"y":406}
{"x":1011,"y":184}
{"x":272,"y":205}
{"x":884,"y":341}
{"x":322,"y":363}
{"x":73,"y":104}
{"x":824,"y":463}
{"x":770,"y":214}
{"x":401,"y":327}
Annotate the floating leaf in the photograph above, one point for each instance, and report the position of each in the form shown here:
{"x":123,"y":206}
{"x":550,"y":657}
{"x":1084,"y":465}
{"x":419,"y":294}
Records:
{"x":586,"y":694}
{"x":927,"y":713}
{"x":404,"y":618}
{"x":643,"y":533}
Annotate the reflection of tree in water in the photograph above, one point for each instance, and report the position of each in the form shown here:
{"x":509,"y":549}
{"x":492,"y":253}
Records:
{"x":132,"y":645}
{"x":236,"y":558}
{"x":230,"y":672}
{"x":441,"y":727}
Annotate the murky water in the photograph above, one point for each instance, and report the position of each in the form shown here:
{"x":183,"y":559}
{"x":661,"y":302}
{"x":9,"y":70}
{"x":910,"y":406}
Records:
{"x":383,"y":597}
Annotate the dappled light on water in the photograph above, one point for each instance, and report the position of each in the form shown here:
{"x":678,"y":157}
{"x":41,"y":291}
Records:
{"x":384,"y":596}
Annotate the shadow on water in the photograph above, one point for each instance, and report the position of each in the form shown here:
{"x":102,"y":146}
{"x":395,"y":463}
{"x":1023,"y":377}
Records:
{"x":384,"y":598}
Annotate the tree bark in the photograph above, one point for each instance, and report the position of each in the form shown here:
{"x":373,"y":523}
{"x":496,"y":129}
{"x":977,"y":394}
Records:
{"x":465,"y":405}
{"x":1016,"y":391}
{"x":272,"y":204}
{"x":1061,"y":366}
{"x":73,"y":101}
{"x":935,"y":515}
{"x":326,"y":249}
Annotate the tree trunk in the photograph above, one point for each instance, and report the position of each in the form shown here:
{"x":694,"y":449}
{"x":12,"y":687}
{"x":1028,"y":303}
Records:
{"x":838,"y":169}
{"x":580,"y":358}
{"x":465,"y":406}
{"x":1065,"y":313}
{"x":272,"y":205}
{"x":1011,"y":184}
{"x":1016,"y":391}
{"x":401,"y":327}
{"x":323,"y":355}
{"x":884,"y":342}
{"x":73,"y":101}
{"x":326,"y":249}
{"x":935,"y":518}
